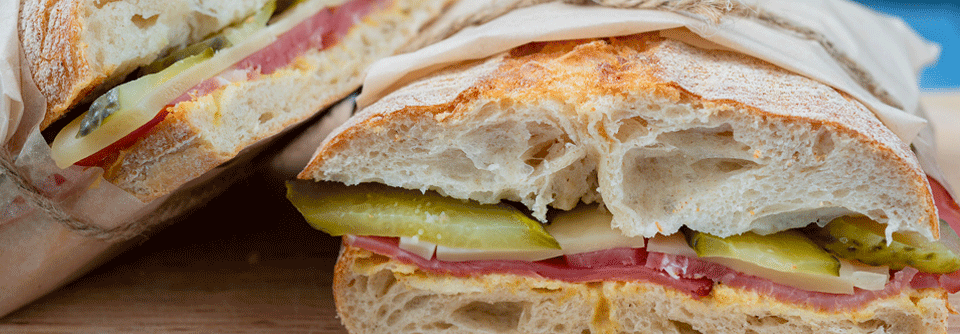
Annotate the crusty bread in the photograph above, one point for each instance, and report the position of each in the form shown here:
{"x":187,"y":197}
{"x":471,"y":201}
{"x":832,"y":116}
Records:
{"x":73,"y":46}
{"x":200,"y":134}
{"x":663,"y":133}
{"x":375,"y":294}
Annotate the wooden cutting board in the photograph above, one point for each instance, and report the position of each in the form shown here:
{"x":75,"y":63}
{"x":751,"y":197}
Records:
{"x":247,"y":263}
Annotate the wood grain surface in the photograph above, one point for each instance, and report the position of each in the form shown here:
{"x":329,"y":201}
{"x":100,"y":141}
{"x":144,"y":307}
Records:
{"x":247,"y":263}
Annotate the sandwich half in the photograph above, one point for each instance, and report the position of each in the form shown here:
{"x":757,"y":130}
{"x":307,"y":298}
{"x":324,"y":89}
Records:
{"x":204,"y":80}
{"x":631,"y":184}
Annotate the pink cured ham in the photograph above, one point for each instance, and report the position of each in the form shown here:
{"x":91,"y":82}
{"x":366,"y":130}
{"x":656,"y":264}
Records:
{"x":947,"y":208}
{"x":318,"y":32}
{"x":949,"y":211}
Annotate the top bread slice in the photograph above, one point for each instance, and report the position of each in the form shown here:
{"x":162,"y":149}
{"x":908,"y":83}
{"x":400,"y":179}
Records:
{"x":75,"y":46}
{"x":664,"y":134}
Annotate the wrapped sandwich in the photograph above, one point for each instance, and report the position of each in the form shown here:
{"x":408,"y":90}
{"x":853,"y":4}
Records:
{"x":649,"y":173}
{"x":127,"y":113}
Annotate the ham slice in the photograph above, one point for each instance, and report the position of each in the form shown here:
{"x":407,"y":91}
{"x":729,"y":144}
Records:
{"x":318,"y":32}
{"x":947,"y":208}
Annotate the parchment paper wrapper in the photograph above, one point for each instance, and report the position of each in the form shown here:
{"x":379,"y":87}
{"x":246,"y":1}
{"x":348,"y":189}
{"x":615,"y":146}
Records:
{"x":787,"y":33}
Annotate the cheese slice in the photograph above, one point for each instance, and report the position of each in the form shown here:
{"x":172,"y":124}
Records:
{"x":587,"y":228}
{"x":414,"y":245}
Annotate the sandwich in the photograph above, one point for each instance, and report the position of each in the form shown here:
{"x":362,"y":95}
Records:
{"x":629,"y":184}
{"x":134,"y":110}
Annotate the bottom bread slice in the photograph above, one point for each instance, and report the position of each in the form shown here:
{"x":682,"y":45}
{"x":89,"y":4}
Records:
{"x":375,"y":294}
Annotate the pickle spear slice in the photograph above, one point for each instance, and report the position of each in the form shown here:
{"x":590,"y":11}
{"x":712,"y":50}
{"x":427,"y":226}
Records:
{"x":130,"y":94}
{"x":862,"y":239}
{"x":118,"y":112}
{"x":787,"y":251}
{"x":376,"y":210}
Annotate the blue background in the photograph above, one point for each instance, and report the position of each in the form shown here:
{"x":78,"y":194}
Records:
{"x":939,"y":22}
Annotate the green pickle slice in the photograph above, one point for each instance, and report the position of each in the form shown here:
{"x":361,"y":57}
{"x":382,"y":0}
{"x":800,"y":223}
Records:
{"x":121,"y":98}
{"x":375,"y":210}
{"x":787,"y":251}
{"x":862,"y":239}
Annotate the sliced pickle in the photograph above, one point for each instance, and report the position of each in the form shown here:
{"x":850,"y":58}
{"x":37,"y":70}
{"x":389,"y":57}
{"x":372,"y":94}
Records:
{"x":377,"y":210}
{"x":129,"y":94}
{"x":127,"y":99}
{"x":862,"y":239}
{"x":787,"y":251}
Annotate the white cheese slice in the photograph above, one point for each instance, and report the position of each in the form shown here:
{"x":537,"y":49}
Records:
{"x":587,"y":228}
{"x":675,"y":244}
{"x":426,"y":250}
{"x":864,"y":276}
{"x":460,"y":254}
{"x":414,"y":245}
